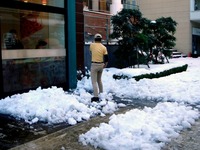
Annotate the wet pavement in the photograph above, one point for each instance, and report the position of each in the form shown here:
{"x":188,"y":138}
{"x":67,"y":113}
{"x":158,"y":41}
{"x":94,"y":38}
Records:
{"x":189,"y":139}
{"x":16,"y":132}
{"x":67,"y":138}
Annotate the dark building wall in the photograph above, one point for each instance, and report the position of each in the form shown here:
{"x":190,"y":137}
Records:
{"x":112,"y":59}
{"x":80,"y":35}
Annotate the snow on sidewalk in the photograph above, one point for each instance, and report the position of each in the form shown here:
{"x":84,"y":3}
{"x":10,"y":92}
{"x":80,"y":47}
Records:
{"x":147,"y":129}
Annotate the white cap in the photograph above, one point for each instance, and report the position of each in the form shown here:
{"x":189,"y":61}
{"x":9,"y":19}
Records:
{"x":96,"y":36}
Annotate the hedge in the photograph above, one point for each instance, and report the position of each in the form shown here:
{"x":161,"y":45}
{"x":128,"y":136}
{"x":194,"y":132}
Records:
{"x":154,"y":75}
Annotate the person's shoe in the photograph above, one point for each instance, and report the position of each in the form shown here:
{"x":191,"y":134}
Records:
{"x":94,"y":99}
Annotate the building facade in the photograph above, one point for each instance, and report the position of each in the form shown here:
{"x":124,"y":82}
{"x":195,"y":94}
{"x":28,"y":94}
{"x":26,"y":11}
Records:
{"x":39,"y":44}
{"x":97,"y":19}
{"x":97,"y":15}
{"x":186,"y":13}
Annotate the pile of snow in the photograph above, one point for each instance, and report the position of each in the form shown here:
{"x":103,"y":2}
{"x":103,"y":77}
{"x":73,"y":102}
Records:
{"x":53,"y":105}
{"x":145,"y":129}
{"x":180,"y":87}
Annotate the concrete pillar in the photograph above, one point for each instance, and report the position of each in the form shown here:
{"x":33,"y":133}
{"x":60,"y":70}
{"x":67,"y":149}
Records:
{"x":115,"y":7}
{"x":95,"y":5}
{"x":192,"y":5}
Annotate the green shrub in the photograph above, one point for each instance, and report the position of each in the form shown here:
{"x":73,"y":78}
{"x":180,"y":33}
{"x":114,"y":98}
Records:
{"x":154,"y":75}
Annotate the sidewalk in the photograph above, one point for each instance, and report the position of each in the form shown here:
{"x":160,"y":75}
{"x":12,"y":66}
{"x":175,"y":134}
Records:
{"x":67,"y":139}
{"x":187,"y":140}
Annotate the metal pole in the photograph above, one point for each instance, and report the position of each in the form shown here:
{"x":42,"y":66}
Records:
{"x":137,"y":56}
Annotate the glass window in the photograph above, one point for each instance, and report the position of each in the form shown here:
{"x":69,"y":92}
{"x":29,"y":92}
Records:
{"x":22,"y":29}
{"x":22,"y":74}
{"x":56,"y":3}
{"x":33,"y":49}
{"x":102,"y":5}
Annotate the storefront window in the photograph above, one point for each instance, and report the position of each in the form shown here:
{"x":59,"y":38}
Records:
{"x":33,"y":49}
{"x":22,"y":74}
{"x":56,"y":3}
{"x":23,"y":29}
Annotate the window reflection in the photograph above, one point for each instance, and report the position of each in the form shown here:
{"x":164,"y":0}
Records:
{"x":22,"y":29}
{"x":12,"y":41}
{"x":32,"y":48}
